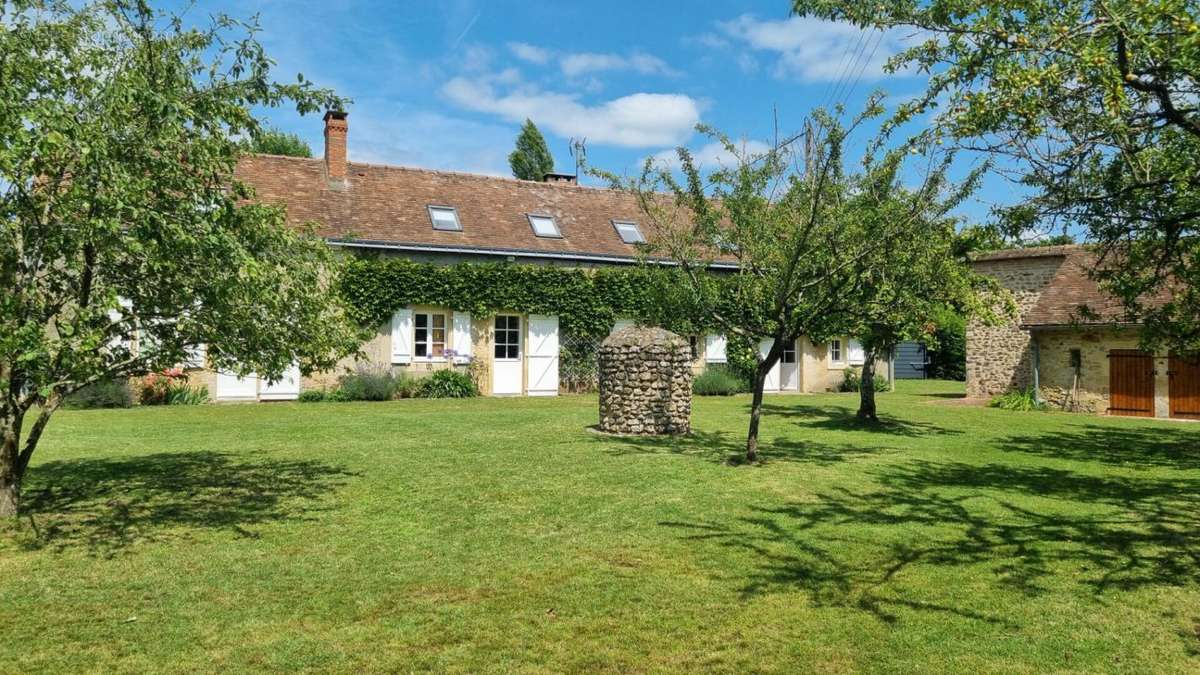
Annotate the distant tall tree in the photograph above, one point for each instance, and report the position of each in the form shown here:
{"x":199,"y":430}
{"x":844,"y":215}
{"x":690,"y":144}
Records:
{"x":276,"y":142}
{"x":532,"y":159}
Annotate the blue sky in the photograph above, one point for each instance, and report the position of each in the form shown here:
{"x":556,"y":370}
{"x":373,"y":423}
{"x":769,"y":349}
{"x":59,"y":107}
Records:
{"x":446,"y":84}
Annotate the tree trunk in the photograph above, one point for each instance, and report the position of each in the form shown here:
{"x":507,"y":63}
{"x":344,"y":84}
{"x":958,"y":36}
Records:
{"x":10,"y":474}
{"x":760,"y":380}
{"x":866,"y":389}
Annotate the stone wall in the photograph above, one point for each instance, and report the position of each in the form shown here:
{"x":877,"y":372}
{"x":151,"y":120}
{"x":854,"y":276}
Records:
{"x":1000,"y":358}
{"x":1085,"y":389}
{"x":645,"y":382}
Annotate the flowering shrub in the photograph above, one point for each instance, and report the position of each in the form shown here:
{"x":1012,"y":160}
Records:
{"x":170,"y":387}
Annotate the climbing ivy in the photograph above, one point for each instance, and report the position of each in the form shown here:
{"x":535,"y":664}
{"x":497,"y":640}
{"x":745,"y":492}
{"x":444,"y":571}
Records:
{"x":585,"y":301}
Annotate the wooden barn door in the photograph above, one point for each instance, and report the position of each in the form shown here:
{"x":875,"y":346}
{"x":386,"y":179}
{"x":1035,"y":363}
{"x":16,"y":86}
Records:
{"x":1131,"y":383}
{"x":1185,"y":386}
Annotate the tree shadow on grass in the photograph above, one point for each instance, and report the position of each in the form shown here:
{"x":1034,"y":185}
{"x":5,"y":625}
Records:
{"x":835,"y":418}
{"x":1030,"y":530}
{"x":1136,"y":447}
{"x":106,"y":505}
{"x":727,"y":448}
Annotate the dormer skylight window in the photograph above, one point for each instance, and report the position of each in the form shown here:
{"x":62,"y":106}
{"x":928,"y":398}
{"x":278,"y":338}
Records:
{"x":630,"y":234}
{"x":544,"y":226}
{"x":445,"y":218}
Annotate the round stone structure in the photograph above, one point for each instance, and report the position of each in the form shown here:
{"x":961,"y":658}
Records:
{"x":645,"y":382}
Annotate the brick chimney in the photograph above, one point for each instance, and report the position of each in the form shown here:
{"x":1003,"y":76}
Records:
{"x":335,"y":144}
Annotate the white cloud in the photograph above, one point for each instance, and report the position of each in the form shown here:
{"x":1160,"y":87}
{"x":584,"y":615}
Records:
{"x":816,"y":50}
{"x":427,"y":140}
{"x":713,"y":155}
{"x":574,"y":65}
{"x":530,"y":53}
{"x":637,"y":120}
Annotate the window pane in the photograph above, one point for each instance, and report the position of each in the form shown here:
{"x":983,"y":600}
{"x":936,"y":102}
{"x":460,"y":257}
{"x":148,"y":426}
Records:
{"x":444,"y":218}
{"x":439,"y":320}
{"x":420,"y":349}
{"x":630,"y":234}
{"x":439,"y":349}
{"x":439,"y":334}
{"x":500,"y":351}
{"x":513,"y":351}
{"x":421,"y":334}
{"x":422,"y":320}
{"x":544,"y":226}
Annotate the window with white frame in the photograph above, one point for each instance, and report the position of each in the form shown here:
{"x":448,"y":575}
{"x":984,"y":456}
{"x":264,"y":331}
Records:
{"x":630,"y":234}
{"x":789,"y":353}
{"x":836,"y":354}
{"x":429,"y":336}
{"x":508,"y":337}
{"x":544,"y":226}
{"x":444,"y":218}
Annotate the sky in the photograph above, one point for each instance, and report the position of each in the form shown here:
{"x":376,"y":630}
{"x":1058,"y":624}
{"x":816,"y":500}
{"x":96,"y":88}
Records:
{"x":446,"y":84}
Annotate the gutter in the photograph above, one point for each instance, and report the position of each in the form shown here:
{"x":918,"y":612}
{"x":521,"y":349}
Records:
{"x":432,"y":248}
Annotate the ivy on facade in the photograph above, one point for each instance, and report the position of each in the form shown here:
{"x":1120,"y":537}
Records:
{"x":587,"y":302}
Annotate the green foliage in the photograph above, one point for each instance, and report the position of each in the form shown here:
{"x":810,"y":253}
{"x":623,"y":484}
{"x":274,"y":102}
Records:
{"x":742,"y":356}
{"x":1093,"y":106}
{"x":531,"y":160}
{"x":448,"y":384}
{"x":121,"y":223}
{"x":1023,"y":401}
{"x":313,"y":396}
{"x":180,"y":393}
{"x":368,"y":384}
{"x":717,"y":380}
{"x":586,"y":302}
{"x":102,"y":394}
{"x":852,"y":381}
{"x":276,"y":142}
{"x":946,"y":347}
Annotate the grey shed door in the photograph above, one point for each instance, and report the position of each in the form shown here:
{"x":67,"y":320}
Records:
{"x":910,"y":361}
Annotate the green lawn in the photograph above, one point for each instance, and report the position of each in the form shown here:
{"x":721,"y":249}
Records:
{"x":501,"y":534}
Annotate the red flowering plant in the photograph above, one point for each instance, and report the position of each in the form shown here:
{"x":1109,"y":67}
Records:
{"x":155,"y":388}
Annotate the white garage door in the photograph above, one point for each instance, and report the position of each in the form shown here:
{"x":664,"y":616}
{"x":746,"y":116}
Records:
{"x":230,"y":387}
{"x":286,"y":389}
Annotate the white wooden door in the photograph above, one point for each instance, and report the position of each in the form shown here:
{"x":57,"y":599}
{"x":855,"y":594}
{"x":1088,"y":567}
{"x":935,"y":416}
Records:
{"x":789,"y":369}
{"x":230,"y":387}
{"x":286,"y":389}
{"x":542,"y":355}
{"x":506,"y":356}
{"x":772,"y":383}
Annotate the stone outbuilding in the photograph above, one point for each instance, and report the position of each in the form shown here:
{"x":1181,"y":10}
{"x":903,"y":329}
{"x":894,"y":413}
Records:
{"x":1086,"y":361}
{"x":645,"y":382}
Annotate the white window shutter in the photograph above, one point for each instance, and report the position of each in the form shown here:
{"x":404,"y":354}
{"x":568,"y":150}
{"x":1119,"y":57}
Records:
{"x":462,"y":337}
{"x":196,"y":357}
{"x":854,"y":352}
{"x":714,"y":349}
{"x":402,"y":333}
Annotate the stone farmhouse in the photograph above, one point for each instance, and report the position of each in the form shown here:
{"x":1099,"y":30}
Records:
{"x":1076,"y":360}
{"x":443,"y":218}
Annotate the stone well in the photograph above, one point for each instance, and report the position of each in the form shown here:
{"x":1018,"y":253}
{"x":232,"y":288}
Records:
{"x":645,"y":382}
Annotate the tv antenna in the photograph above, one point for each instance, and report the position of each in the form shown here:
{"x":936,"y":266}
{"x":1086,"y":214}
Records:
{"x":579,"y":153}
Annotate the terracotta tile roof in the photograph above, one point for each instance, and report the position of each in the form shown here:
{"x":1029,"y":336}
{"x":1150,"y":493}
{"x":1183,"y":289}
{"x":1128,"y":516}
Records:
{"x":1031,"y":252}
{"x":1071,"y":297}
{"x":385,"y":204}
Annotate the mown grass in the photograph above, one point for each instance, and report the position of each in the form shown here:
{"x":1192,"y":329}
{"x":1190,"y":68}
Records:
{"x":502,"y":534}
